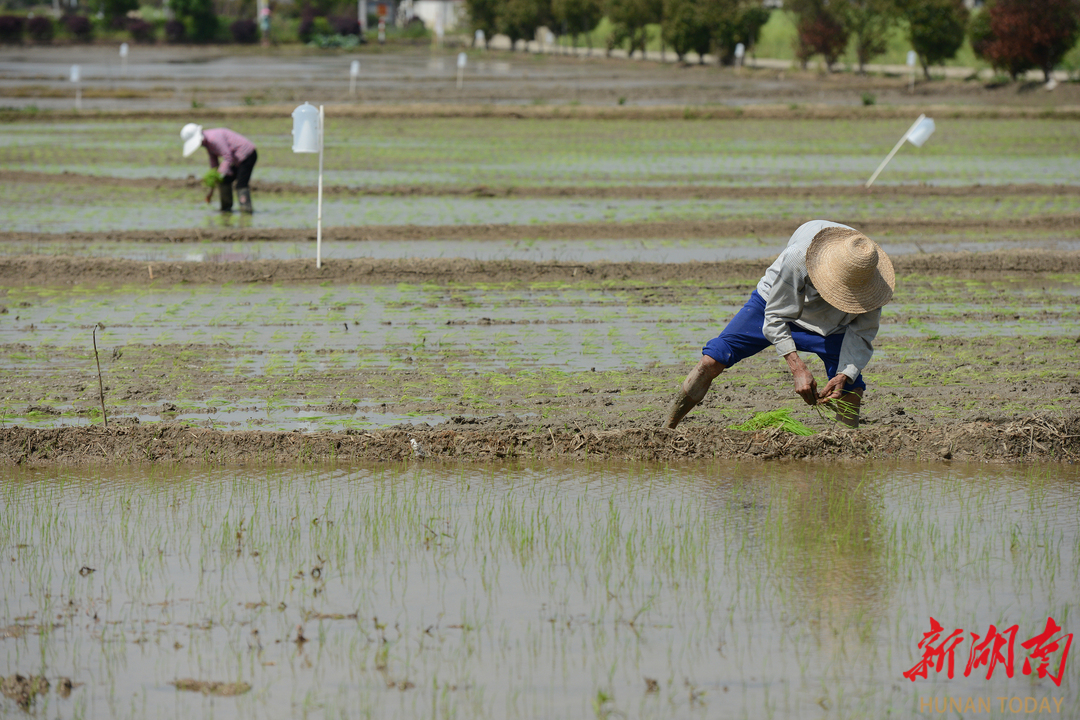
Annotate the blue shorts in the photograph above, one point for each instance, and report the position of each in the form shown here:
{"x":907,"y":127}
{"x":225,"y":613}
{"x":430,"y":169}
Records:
{"x":743,"y":338}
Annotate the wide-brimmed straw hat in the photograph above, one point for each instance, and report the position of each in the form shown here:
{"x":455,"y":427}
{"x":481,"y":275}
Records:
{"x":192,"y":136}
{"x":850,"y":271}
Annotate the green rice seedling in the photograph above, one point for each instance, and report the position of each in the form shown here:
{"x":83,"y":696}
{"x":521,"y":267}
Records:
{"x":774,"y":418}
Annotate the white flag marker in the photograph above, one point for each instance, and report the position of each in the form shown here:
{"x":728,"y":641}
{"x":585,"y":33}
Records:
{"x":917,"y":134}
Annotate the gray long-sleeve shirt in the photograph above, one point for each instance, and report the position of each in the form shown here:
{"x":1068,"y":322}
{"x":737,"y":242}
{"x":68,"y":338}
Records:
{"x":790,"y":297}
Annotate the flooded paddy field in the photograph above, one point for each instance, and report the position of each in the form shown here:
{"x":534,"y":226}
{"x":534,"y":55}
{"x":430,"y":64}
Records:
{"x":591,"y":250}
{"x":39,"y":209}
{"x":726,"y":589}
{"x":428,"y":479}
{"x":173,"y":78}
{"x":497,"y":153}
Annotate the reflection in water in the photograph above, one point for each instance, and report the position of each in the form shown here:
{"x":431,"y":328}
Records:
{"x":520,"y":590}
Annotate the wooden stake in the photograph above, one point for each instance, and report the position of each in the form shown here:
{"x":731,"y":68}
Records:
{"x":101,"y":386}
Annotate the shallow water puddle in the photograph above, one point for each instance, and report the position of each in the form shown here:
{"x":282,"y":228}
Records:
{"x":708,"y":590}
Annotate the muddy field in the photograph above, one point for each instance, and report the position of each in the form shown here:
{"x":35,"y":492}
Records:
{"x":525,"y":287}
{"x":509,"y":359}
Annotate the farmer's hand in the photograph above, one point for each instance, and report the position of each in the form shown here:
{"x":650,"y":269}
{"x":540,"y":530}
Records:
{"x":805,"y":385}
{"x":834,"y":389}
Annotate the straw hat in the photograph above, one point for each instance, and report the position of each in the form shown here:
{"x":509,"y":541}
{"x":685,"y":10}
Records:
{"x":850,"y":271}
{"x":192,"y":136}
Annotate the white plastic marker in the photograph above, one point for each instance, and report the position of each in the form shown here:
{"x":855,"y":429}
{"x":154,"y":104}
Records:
{"x":917,"y":134}
{"x":911,"y":58}
{"x":479,"y":40}
{"x":354,"y":72}
{"x":78,"y":88}
{"x":123,"y":58}
{"x":461,"y":60}
{"x":308,"y":138}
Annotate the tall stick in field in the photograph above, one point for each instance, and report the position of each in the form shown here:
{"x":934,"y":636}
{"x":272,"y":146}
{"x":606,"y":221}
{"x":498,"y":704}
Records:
{"x":101,"y":386}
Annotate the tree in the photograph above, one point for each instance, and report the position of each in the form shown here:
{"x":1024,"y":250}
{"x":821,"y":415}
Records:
{"x":686,"y":28}
{"x":520,"y":19}
{"x":631,"y":19}
{"x":868,"y":22}
{"x":484,"y":15}
{"x":115,"y":11}
{"x":751,"y":20}
{"x":1017,"y":35}
{"x":198,"y":16}
{"x":724,"y":18}
{"x":577,"y":17}
{"x":819,"y":31}
{"x":936,"y":29}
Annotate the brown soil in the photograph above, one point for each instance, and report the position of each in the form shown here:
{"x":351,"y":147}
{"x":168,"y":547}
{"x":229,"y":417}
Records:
{"x":1006,"y":229}
{"x":631,"y":192}
{"x":1025,"y":439}
{"x":217,"y":689}
{"x":23,"y":690}
{"x":66,"y":270}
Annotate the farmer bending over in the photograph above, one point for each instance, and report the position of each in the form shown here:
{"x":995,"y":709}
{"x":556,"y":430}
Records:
{"x":231,"y":154}
{"x":822,"y":295}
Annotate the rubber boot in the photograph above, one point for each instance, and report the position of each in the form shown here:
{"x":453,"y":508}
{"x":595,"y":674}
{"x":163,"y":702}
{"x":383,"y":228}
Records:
{"x":244,"y":195}
{"x":225,"y":192}
{"x":681,"y":405}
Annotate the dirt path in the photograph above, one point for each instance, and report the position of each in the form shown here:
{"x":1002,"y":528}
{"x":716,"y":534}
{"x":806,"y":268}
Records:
{"x":1025,"y":439}
{"x":66,"y":270}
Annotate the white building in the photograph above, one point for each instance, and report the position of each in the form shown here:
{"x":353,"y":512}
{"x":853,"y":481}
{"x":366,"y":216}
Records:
{"x":439,"y":15}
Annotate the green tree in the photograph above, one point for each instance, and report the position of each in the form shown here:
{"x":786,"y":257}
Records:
{"x":520,"y":19}
{"x":936,"y":29}
{"x":869,"y":23}
{"x":198,"y":16}
{"x":484,"y":15}
{"x":686,"y":28}
{"x":724,"y":19}
{"x":751,"y":19}
{"x":577,"y":17}
{"x":630,"y":20}
{"x":116,"y":10}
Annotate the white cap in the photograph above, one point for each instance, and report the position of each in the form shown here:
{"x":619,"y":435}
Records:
{"x":192,"y":136}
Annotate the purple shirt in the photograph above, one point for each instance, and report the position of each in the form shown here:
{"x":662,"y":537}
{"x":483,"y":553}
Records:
{"x":231,"y":147}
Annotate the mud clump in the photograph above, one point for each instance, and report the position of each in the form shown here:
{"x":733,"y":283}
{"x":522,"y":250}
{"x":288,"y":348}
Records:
{"x":42,"y":410}
{"x":24,"y":690}
{"x":217,"y":689}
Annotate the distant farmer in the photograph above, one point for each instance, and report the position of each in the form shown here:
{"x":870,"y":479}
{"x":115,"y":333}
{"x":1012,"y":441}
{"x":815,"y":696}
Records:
{"x":823,"y":295}
{"x":232,"y":155}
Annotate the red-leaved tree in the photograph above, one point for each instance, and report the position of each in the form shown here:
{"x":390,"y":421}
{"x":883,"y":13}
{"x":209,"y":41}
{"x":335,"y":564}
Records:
{"x":1030,"y":33}
{"x":820,"y":32}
